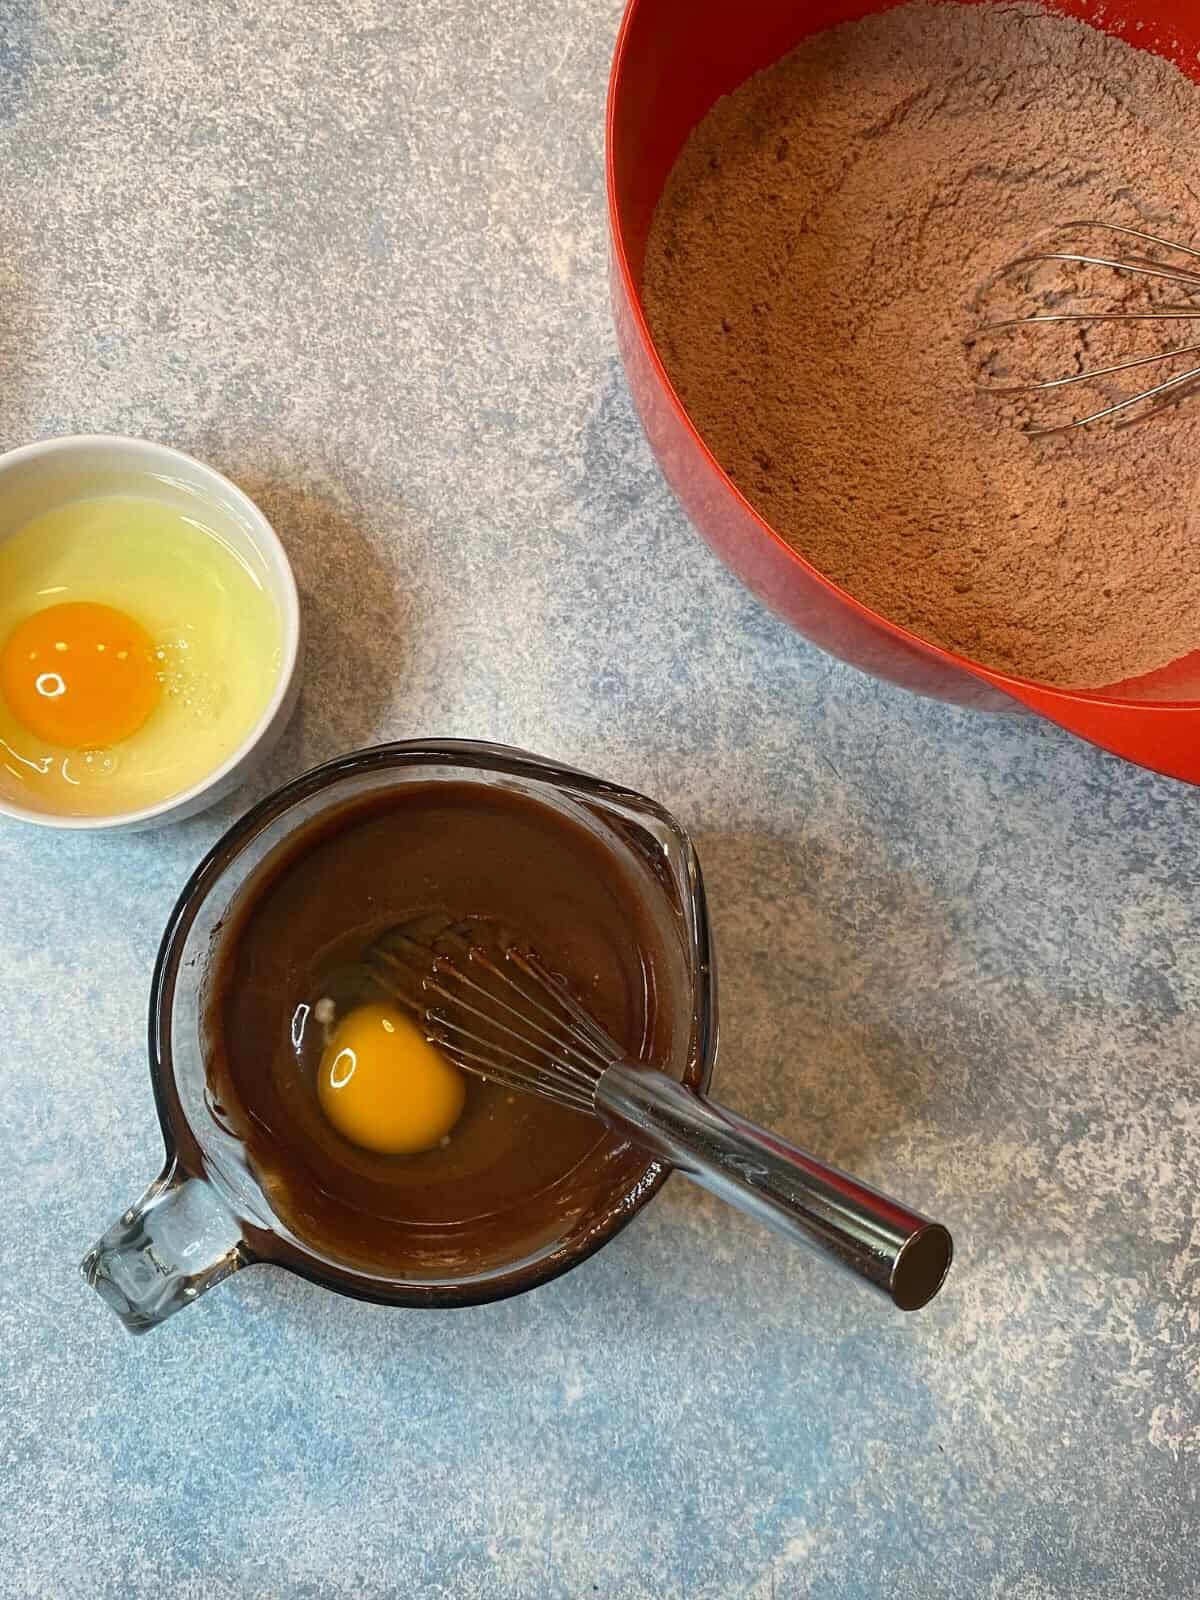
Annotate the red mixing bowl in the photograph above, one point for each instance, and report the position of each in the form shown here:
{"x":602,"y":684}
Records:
{"x":674,"y":59}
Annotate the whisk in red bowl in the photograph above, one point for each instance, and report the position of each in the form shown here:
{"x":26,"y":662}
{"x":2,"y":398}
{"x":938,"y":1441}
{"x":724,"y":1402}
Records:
{"x":673,"y":61}
{"x":1163,"y":268}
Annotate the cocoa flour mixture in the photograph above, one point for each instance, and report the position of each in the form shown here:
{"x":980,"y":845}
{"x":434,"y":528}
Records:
{"x":813,"y":271}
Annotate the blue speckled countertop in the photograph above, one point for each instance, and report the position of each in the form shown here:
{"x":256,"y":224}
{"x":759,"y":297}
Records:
{"x":353,"y":253}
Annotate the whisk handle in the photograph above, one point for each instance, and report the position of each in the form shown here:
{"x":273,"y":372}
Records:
{"x":898,"y":1251}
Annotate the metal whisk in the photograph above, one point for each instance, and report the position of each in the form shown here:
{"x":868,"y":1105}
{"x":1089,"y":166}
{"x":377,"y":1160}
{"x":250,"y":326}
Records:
{"x":1147,"y":402}
{"x":507,"y":1018}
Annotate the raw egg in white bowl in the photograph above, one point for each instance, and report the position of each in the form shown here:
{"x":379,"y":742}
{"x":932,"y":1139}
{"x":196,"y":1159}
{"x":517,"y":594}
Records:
{"x":149,"y":634}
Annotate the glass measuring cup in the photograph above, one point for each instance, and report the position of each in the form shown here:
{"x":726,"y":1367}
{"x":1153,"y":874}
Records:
{"x":206,"y":1215}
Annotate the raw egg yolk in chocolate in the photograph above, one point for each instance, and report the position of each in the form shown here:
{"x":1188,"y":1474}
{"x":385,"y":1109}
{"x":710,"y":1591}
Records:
{"x":79,"y":674}
{"x":384,"y":1086}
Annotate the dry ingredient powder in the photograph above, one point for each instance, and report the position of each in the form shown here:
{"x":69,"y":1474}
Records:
{"x":814,"y":267}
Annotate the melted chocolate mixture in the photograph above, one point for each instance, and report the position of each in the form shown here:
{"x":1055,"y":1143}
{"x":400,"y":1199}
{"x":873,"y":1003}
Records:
{"x":518,"y":1172}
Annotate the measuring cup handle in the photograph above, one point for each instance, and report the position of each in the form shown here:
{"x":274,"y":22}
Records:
{"x":169,"y":1247}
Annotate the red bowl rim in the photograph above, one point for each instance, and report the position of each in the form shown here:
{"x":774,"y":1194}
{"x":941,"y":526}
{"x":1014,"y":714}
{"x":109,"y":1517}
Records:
{"x":1021,"y":689}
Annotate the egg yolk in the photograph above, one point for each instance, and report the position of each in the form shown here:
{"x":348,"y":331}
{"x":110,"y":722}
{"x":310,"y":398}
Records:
{"x":384,"y":1086}
{"x":79,"y":674}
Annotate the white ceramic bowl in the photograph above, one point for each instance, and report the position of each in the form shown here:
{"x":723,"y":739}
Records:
{"x":37,"y":477}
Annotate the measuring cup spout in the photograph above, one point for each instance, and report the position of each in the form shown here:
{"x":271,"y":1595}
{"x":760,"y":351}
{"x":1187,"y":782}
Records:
{"x":175,"y":1242}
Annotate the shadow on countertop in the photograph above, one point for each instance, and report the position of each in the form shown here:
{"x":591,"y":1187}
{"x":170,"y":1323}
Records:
{"x":818,"y":958}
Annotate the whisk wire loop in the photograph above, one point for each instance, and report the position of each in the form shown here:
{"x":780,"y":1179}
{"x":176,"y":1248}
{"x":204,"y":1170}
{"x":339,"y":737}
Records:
{"x":584,"y":1022}
{"x":1147,"y":403}
{"x":520,"y":1035}
{"x":572,"y":1061}
{"x":516,"y":1072}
